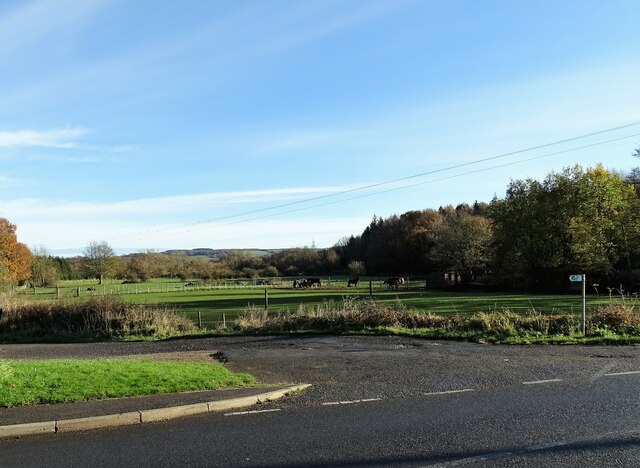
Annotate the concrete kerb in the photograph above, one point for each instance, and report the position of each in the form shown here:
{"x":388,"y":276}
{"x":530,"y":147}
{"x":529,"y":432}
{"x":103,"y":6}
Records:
{"x":97,"y":422}
{"x":17,"y":430}
{"x":139,"y":417}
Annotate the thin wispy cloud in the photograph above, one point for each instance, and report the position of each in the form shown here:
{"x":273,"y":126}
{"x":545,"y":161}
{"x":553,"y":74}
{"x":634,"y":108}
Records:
{"x":38,"y":20}
{"x":148,"y":207}
{"x":234,"y":39}
{"x":277,"y":233}
{"x":486,"y":120}
{"x":128,"y":115}
{"x":56,"y":138}
{"x":292,"y":27}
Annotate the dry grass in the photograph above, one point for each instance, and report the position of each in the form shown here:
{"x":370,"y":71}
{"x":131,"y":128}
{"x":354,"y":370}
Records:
{"x":102,"y":318}
{"x":353,"y":315}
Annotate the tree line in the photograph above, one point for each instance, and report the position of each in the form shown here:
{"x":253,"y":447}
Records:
{"x":575,"y":221}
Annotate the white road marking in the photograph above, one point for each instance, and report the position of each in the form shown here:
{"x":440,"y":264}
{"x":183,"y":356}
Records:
{"x":450,"y":391}
{"x":534,"y":382}
{"x":624,"y":373}
{"x":330,"y":403}
{"x":238,"y":413}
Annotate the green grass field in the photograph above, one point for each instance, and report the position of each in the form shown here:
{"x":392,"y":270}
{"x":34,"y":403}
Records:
{"x":59,"y":381}
{"x":232,"y":296}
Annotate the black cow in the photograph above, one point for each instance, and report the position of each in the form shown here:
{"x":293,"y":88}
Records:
{"x":353,"y":281}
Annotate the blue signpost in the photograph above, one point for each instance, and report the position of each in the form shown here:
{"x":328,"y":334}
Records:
{"x":576,"y":279}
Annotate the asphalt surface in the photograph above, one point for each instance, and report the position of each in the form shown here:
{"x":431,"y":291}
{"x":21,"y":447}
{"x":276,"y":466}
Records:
{"x":376,"y":401}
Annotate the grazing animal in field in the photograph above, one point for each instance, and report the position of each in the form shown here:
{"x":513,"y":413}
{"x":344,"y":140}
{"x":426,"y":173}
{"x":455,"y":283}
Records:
{"x":353,"y":282}
{"x":307,"y":283}
{"x":91,"y":289}
{"x":394,"y":282}
{"x":314,"y":283}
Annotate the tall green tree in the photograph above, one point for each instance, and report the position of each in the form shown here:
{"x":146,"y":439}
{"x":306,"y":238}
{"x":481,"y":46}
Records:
{"x":572,"y":221}
{"x":64,"y":267}
{"x":633,"y":177}
{"x":44,"y":269}
{"x":99,"y":260}
{"x":464,"y":245}
{"x":605,"y":225}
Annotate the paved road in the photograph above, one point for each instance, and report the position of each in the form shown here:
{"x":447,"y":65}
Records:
{"x":378,"y":402}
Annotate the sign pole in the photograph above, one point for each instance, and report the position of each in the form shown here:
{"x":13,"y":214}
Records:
{"x":582,"y":278}
{"x":584,"y":305}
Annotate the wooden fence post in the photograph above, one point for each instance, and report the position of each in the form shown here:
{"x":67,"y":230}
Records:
{"x":266,"y":299}
{"x":199,"y":320}
{"x":370,"y":288}
{"x":224,"y":321}
{"x":57,"y":292}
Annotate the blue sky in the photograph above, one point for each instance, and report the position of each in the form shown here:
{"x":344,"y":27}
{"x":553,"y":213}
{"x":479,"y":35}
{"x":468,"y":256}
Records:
{"x":157,"y":125}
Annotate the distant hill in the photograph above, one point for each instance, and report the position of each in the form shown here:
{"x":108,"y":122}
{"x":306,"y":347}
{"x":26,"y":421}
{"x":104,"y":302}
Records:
{"x":217,"y":254}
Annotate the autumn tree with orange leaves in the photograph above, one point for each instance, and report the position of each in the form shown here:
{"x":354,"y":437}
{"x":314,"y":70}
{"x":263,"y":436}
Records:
{"x":15,"y":257}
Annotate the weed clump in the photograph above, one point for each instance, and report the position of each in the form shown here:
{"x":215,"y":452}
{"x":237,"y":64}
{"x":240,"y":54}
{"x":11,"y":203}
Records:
{"x":616,"y":318}
{"x":6,"y":372}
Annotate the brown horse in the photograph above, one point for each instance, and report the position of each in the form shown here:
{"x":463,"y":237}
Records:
{"x":394,"y":282}
{"x":314,"y":282}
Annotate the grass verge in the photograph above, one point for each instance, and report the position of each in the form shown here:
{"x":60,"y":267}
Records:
{"x":62,"y":381}
{"x":612,"y":324}
{"x":109,"y":318}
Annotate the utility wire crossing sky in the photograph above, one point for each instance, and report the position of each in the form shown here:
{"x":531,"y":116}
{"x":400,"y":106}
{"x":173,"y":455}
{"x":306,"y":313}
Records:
{"x":270,"y":124}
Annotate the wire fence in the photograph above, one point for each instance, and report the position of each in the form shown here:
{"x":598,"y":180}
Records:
{"x":90,"y":288}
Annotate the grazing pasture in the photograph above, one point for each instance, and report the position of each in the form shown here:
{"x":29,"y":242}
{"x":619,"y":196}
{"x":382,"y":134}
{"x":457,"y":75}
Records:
{"x":234,"y":295}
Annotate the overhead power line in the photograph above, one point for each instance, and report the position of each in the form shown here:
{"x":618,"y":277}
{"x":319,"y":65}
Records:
{"x":200,"y":226}
{"x":190,"y":227}
{"x":421,"y":174}
{"x":404,"y":187}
